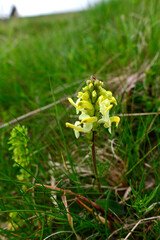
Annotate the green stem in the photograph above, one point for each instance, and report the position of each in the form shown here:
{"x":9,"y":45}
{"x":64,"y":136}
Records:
{"x":94,"y":162}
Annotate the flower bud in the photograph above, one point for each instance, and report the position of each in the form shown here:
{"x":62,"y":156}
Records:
{"x":91,"y":87}
{"x":108,"y":94}
{"x":101,"y":83}
{"x":86,"y":88}
{"x":94,"y":94}
{"x":88,"y":82}
{"x":96,"y":82}
{"x":86,"y":96}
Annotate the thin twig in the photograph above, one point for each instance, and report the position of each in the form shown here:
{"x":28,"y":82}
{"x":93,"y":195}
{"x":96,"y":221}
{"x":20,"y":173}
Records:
{"x":137,"y":114}
{"x":151,"y":206}
{"x":125,"y":196}
{"x":53,"y":234}
{"x":33,"y":113}
{"x":132,"y":230}
{"x":127,"y":226}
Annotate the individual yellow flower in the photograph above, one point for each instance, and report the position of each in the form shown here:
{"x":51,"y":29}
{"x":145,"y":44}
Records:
{"x":87,"y":122}
{"x":75,"y":127}
{"x":105,"y":106}
{"x":84,"y":106}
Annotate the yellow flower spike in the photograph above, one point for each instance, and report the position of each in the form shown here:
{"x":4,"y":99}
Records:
{"x":115,"y":119}
{"x":77,"y":128}
{"x":72,"y":102}
{"x":94,"y":104}
{"x":89,"y":120}
{"x":108,"y":108}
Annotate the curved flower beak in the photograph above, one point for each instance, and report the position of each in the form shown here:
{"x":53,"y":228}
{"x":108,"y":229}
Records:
{"x":108,"y":108}
{"x":115,"y":119}
{"x":113,"y":100}
{"x":87,"y":125}
{"x":89,"y":120}
{"x":72,"y":102}
{"x":75,"y":127}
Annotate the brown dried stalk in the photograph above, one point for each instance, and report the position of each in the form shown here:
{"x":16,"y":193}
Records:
{"x":79,"y":199}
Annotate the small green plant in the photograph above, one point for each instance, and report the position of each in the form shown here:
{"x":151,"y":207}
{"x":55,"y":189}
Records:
{"x":19,"y":147}
{"x":141,"y":201}
{"x":93,"y":104}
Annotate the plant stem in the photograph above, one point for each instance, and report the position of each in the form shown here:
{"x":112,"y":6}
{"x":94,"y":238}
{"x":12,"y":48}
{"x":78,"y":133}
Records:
{"x":94,"y":162}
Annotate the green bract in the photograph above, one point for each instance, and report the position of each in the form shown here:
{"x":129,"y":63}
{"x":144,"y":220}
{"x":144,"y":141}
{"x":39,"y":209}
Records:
{"x":93,"y":104}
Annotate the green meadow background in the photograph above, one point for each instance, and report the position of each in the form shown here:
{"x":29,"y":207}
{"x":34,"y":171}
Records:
{"x":45,"y":60}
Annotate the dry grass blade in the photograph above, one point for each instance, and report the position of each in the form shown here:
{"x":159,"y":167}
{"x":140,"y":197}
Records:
{"x":79,"y":199}
{"x":98,"y":217}
{"x":98,"y":208}
{"x":53,"y":234}
{"x":70,"y":219}
{"x":126,"y":82}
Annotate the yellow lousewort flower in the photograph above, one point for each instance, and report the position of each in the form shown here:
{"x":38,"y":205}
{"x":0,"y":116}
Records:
{"x":94,"y":105}
{"x":84,"y":96}
{"x":72,"y":102}
{"x":87,"y":125}
{"x":75,"y":127}
{"x":85,"y":105}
